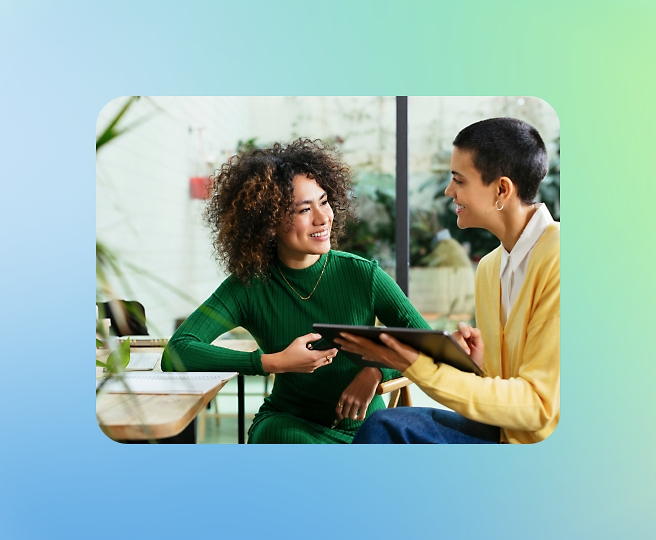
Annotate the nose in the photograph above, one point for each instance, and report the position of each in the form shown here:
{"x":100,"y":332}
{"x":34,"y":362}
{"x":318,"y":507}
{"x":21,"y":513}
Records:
{"x":323,"y":215}
{"x":449,"y":189}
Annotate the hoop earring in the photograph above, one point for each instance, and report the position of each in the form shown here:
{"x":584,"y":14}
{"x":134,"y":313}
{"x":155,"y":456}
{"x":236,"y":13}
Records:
{"x":496,"y":205}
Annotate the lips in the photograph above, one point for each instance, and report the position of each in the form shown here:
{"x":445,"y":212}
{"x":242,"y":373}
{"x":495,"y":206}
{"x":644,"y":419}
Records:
{"x":320,"y":234}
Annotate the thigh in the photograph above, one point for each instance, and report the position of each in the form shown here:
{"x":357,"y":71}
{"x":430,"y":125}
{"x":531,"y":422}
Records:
{"x":424,"y":425}
{"x":285,"y":428}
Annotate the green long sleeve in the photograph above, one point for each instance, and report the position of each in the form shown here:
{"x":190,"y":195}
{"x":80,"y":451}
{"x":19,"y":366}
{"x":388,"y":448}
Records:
{"x":352,"y":291}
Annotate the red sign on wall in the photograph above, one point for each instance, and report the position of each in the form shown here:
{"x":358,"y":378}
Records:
{"x":200,"y":187}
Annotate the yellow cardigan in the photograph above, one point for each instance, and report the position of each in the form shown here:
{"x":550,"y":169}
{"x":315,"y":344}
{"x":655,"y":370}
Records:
{"x":521,"y":390}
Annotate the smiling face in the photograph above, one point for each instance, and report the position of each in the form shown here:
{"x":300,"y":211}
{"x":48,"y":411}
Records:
{"x":308,"y":237}
{"x":474,"y":200}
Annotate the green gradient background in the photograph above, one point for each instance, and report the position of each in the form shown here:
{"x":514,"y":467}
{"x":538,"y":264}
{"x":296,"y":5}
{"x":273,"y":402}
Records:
{"x":593,"y":62}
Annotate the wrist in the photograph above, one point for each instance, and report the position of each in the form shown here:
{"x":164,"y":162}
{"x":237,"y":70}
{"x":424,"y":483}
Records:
{"x":375,"y":373}
{"x":270,"y":363}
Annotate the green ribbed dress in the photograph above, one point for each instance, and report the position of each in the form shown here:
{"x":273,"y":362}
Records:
{"x":301,"y":407}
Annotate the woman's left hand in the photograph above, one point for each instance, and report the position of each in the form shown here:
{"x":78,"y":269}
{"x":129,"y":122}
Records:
{"x":393,"y":354}
{"x":357,"y":396}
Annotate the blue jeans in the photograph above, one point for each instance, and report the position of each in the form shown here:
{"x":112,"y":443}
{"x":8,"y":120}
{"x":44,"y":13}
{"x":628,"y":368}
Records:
{"x":424,"y":425}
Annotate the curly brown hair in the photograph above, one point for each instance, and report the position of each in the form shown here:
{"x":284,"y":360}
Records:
{"x":253,"y":193}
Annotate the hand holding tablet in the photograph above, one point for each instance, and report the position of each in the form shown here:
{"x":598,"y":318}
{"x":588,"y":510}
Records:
{"x":438,"y":345}
{"x":392,"y":353}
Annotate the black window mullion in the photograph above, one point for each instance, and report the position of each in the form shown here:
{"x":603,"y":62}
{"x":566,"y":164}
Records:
{"x":402,"y":206}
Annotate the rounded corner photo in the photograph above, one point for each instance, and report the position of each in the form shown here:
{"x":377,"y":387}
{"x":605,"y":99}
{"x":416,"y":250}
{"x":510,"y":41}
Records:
{"x":230,"y":229}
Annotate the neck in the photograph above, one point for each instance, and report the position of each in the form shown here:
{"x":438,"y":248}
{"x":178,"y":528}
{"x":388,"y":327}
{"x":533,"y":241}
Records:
{"x":512,"y":224}
{"x":298,"y":262}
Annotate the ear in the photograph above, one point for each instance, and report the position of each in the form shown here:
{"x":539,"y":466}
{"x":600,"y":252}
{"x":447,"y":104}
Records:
{"x":505,"y":188}
{"x":283,"y":228}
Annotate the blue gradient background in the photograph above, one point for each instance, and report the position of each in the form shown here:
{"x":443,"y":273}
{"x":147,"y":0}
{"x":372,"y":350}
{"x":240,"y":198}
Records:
{"x":59,"y":64}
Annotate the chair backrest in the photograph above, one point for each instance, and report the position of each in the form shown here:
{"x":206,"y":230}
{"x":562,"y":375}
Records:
{"x":128,"y":317}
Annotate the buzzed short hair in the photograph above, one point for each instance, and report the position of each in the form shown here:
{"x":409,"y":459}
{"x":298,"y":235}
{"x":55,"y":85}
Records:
{"x":507,"y":147}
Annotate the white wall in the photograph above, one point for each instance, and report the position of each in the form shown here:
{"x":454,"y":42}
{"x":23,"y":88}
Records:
{"x":364,"y":128}
{"x":143,"y":208}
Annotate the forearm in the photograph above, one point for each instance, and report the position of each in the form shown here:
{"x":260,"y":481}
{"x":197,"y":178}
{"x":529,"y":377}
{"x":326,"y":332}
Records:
{"x":507,"y":403}
{"x":192,"y":355}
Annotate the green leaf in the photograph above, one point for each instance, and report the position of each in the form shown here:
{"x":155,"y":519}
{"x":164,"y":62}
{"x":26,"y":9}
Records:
{"x":99,"y":344}
{"x":119,"y":358}
{"x":111,"y":131}
{"x":100,"y":364}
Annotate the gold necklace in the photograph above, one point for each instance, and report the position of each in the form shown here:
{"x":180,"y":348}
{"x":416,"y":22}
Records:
{"x":315,"y":285}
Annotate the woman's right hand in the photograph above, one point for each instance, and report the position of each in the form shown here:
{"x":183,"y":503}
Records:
{"x":297,"y":357}
{"x":469,"y":338}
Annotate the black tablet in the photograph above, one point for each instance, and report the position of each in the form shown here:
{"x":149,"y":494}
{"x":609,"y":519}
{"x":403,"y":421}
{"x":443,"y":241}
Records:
{"x":439,"y":345}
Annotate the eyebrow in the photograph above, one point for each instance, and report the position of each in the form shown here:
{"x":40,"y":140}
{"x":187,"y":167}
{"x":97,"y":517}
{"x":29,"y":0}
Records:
{"x":457,"y":173}
{"x":308,"y":201}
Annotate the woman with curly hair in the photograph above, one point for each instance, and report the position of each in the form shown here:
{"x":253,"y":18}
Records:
{"x":274,"y":214}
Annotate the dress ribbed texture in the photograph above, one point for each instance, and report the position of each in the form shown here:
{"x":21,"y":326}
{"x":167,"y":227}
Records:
{"x":301,"y":407}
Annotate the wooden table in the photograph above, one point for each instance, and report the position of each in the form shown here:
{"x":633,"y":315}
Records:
{"x":143,"y":417}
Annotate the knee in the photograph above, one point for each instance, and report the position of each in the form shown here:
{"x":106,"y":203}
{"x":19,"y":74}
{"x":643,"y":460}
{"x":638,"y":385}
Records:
{"x":375,"y":428}
{"x":389,"y":417}
{"x":379,"y":415}
{"x":280,"y":429}
{"x":378,"y":418}
{"x":266,"y":431}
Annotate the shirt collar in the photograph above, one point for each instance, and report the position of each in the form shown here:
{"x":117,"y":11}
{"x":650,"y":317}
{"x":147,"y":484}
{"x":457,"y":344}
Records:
{"x":530,"y":235}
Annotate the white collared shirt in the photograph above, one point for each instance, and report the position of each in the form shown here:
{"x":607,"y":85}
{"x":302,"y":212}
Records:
{"x":515,"y":263}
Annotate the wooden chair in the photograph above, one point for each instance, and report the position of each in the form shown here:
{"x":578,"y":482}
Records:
{"x":399,"y":392}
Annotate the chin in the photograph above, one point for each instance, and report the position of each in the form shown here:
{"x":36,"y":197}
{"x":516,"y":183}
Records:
{"x":468,"y":224}
{"x":323,"y":247}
